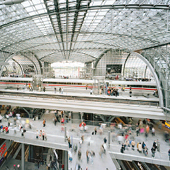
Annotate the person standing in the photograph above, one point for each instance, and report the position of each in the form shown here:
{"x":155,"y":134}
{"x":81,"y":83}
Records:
{"x":169,"y":154}
{"x":91,"y":92}
{"x":137,"y":131}
{"x":86,"y":86}
{"x":55,"y":121}
{"x":155,"y":144}
{"x":133,"y":145}
{"x":105,"y":140}
{"x":44,"y":123}
{"x":43,"y":135}
{"x":55,"y":89}
{"x":153,"y":131}
{"x":158,"y":145}
{"x":69,"y":145}
{"x":95,"y":130}
{"x":44,"y":88}
{"x":130,"y":93}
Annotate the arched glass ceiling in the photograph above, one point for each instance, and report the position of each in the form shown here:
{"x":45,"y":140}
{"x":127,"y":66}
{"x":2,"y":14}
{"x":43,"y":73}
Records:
{"x":82,"y":30}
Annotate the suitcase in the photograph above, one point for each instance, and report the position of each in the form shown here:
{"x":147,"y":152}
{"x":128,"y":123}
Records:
{"x":92,"y":133}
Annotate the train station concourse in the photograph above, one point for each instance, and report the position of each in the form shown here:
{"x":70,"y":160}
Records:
{"x":85,"y":84}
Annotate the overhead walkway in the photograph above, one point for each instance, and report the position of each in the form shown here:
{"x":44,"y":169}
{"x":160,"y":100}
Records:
{"x":153,"y":101}
{"x":115,"y":109}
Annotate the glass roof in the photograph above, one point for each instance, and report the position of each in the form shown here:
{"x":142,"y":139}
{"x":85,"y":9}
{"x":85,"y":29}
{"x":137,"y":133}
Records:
{"x":57,"y":30}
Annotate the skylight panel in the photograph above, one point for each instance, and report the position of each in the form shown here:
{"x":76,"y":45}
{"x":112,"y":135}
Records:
{"x":26,"y":3}
{"x":29,"y":9}
{"x":36,"y":1}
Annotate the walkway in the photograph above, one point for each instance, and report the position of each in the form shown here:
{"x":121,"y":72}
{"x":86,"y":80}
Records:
{"x":115,"y":109}
{"x":55,"y":135}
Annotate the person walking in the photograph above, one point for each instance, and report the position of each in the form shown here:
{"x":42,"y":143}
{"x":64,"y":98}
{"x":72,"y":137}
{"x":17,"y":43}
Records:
{"x":79,"y":154}
{"x":87,"y":156}
{"x":145,"y":151}
{"x":155,"y":144}
{"x":153,"y":150}
{"x":137,"y":131}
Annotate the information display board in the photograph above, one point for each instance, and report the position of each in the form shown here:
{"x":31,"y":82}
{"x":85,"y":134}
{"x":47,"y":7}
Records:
{"x":113,"y":68}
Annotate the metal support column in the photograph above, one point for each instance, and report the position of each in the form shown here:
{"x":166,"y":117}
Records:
{"x":65,"y":133}
{"x":23,"y":157}
{"x":108,"y":139}
{"x":65,"y":160}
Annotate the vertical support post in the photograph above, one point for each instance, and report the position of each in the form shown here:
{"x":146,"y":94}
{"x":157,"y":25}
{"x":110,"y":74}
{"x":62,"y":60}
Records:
{"x":108,"y":139}
{"x":167,"y":80}
{"x":65,"y":133}
{"x":65,"y":160}
{"x":23,"y":157}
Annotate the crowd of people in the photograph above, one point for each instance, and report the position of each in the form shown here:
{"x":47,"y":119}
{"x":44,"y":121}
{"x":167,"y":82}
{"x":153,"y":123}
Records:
{"x":126,"y":137}
{"x":124,"y":134}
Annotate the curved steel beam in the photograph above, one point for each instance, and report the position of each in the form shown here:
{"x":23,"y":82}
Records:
{"x":85,"y":8}
{"x":40,"y":65}
{"x":12,"y":55}
{"x":22,"y":71}
{"x":101,"y":33}
{"x":100,"y":56}
{"x":154,"y":74}
{"x":123,"y":68}
{"x":36,"y":69}
{"x":72,"y":51}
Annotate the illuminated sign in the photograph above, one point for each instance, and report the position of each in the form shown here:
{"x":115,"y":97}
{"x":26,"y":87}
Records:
{"x":3,"y":149}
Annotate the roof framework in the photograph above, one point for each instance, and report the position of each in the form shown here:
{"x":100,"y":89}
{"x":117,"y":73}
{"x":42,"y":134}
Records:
{"x":81,"y":30}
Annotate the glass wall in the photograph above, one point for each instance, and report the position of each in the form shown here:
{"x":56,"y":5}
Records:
{"x":67,"y":69}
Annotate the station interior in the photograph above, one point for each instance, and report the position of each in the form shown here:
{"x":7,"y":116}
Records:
{"x":84,"y":84}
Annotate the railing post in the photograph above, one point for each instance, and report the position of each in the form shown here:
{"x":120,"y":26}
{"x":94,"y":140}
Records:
{"x":65,"y":133}
{"x":108,"y":139}
{"x":23,"y":157}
